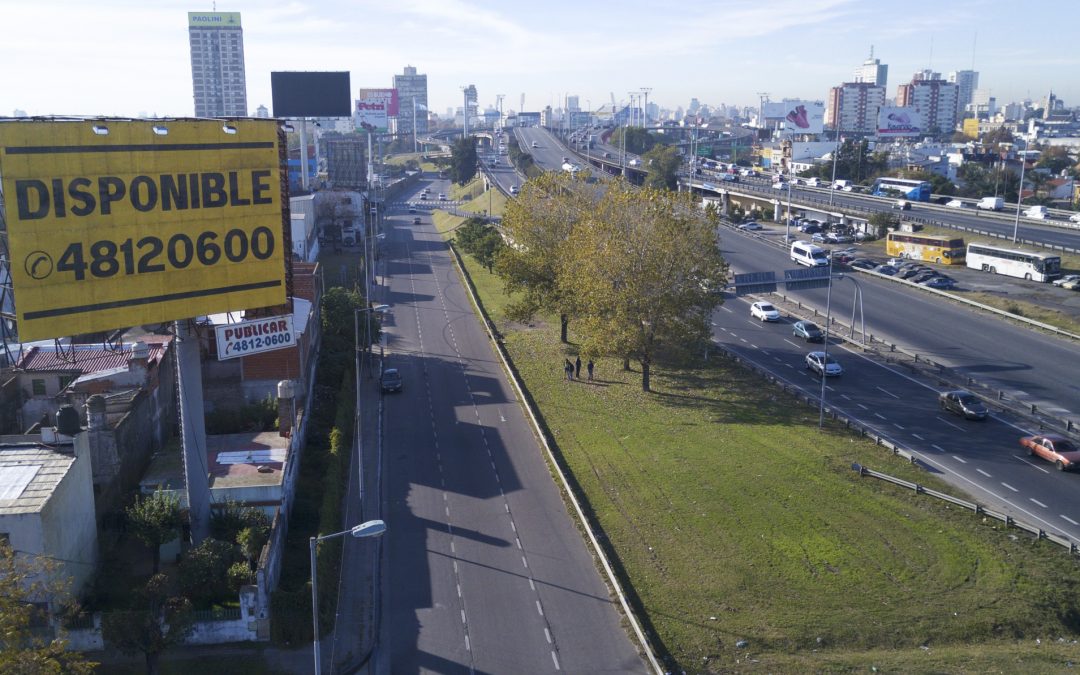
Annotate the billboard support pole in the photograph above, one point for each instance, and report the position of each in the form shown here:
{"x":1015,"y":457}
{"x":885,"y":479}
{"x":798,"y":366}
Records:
{"x":193,"y":429}
{"x":303,"y":154}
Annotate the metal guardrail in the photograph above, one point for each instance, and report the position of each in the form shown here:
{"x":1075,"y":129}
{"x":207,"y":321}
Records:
{"x":974,"y":507}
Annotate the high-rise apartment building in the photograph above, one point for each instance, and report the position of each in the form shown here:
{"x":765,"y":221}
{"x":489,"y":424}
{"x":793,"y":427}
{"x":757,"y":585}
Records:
{"x":853,"y":107}
{"x":872,"y":71}
{"x":412,"y":95}
{"x":933,"y":98}
{"x":966,"y":81}
{"x":218,"y":80}
{"x":573,"y":103}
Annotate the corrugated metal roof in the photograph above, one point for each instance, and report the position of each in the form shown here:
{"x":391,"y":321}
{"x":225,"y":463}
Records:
{"x":87,"y":358}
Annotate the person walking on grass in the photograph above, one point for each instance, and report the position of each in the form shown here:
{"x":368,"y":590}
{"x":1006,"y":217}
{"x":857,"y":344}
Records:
{"x":568,"y":368}
{"x":577,"y":367}
{"x":589,"y":367}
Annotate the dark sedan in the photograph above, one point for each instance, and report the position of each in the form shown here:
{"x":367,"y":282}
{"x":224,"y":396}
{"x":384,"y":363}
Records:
{"x":962,"y":403}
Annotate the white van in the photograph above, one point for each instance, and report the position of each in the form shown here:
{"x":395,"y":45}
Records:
{"x":842,"y":185}
{"x":811,"y":182}
{"x":1036,"y":212}
{"x":811,"y":255}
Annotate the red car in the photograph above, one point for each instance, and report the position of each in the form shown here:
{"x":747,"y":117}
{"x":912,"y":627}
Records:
{"x":1057,"y":449}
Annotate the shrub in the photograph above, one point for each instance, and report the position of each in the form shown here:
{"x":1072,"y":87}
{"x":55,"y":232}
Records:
{"x":204,"y":572}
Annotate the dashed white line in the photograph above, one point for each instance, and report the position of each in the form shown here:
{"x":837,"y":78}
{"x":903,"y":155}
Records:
{"x":938,"y":448}
{"x":1031,"y":464}
{"x":555,"y":658}
{"x":886,"y":391}
{"x":879,"y":415}
{"x":918,"y":437}
{"x":984,"y":473}
{"x":942,"y":419}
{"x":547,"y":632}
{"x":1010,"y":487}
{"x":1036,"y":501}
{"x":539,"y":608}
{"x":518,"y":542}
{"x":467,"y":647}
{"x":463,"y":617}
{"x":862,"y":406}
{"x":960,"y":459}
{"x":1069,"y":519}
{"x":524,"y":561}
{"x":898,"y":426}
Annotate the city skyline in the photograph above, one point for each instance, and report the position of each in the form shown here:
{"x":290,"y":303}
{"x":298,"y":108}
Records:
{"x":121,"y":58}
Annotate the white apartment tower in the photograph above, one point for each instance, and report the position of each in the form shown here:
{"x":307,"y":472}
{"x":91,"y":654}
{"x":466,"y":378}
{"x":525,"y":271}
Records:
{"x":872,"y":71}
{"x":412,"y":95}
{"x":966,"y":81}
{"x":853,"y":107}
{"x":933,"y":98}
{"x":218,"y":81}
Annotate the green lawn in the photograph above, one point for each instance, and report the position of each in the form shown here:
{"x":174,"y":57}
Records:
{"x":733,"y":518}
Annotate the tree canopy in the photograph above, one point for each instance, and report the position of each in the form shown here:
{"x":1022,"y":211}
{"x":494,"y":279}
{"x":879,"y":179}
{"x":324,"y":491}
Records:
{"x":663,"y":164}
{"x":155,"y":520}
{"x":463,"y":160}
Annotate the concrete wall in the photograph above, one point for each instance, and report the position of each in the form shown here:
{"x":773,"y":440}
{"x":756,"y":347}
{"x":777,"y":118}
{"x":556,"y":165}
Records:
{"x":69,"y":525}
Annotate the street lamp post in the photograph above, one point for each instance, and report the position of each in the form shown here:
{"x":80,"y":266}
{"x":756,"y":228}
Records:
{"x":835,"y":154}
{"x":1019,"y":194}
{"x":828,"y":321}
{"x":372,"y":528}
{"x":381,"y":309}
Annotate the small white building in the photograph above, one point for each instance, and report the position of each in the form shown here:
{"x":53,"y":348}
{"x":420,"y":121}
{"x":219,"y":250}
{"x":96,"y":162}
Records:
{"x":47,"y":504}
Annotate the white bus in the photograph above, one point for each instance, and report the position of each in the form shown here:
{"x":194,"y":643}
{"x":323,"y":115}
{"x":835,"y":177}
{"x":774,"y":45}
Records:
{"x":1013,"y":263}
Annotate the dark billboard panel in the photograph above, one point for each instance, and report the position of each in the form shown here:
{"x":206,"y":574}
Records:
{"x":300,"y":94}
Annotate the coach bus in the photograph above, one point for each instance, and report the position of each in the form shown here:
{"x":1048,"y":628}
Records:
{"x":926,"y":247}
{"x":914,"y":190}
{"x":1010,"y":262}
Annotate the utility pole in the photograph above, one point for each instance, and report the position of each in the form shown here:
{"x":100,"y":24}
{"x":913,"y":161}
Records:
{"x":763,"y":98}
{"x":645,"y":110}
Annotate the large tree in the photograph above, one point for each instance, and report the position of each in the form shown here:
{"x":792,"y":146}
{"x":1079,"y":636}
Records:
{"x":663,"y":164}
{"x":537,"y":225}
{"x":463,"y":160}
{"x":26,"y":585}
{"x":154,"y":622}
{"x":155,"y":520}
{"x":644,"y":268}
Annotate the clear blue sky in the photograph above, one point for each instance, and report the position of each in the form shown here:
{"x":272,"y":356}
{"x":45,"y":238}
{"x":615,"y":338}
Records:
{"x":130,"y":57}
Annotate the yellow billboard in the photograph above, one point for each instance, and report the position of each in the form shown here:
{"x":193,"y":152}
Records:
{"x":971,"y":128}
{"x":213,"y":19}
{"x":115,"y":223}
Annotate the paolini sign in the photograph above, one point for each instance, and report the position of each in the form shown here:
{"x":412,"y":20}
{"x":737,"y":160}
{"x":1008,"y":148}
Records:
{"x":253,"y":337}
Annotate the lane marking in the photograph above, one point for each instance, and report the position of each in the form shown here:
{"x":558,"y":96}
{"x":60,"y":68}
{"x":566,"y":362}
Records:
{"x":938,"y":448}
{"x":1069,"y":519}
{"x":984,"y":473}
{"x":886,"y":391}
{"x":539,"y":608}
{"x":1031,"y":464}
{"x":918,"y":437}
{"x":1036,"y":501}
{"x":960,"y":459}
{"x":879,"y":416}
{"x":898,"y":426}
{"x":945,"y":421}
{"x":1010,"y":487}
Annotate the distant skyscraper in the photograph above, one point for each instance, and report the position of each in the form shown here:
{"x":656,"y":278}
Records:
{"x":262,"y":112}
{"x":573,"y":104}
{"x":217,"y":64}
{"x":471,"y":98}
{"x":933,"y":98}
{"x":853,"y":107}
{"x":872,"y":71}
{"x":966,"y":81}
{"x":412,"y":92}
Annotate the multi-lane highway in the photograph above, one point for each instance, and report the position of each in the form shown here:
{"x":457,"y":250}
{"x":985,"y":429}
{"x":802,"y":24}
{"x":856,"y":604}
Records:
{"x":983,"y":458}
{"x":485,"y":571}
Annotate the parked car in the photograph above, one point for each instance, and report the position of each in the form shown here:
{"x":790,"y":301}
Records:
{"x":751,"y":226}
{"x":391,"y":380}
{"x":1066,"y":279}
{"x":808,"y":331}
{"x":864,"y":263}
{"x":923,"y":276}
{"x":1071,"y":285}
{"x":810,"y":228}
{"x":764,"y":311}
{"x":821,"y":364}
{"x":839,"y":238}
{"x":887,"y":270}
{"x":962,"y":403}
{"x":416,"y":220}
{"x":818,"y":238}
{"x":1057,"y":449}
{"x":939,"y":283}
{"x":908,"y":272}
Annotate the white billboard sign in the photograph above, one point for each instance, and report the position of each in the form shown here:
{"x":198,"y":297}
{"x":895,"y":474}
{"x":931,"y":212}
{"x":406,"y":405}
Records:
{"x":254,"y":337}
{"x":374,"y":107}
{"x":897,"y":122}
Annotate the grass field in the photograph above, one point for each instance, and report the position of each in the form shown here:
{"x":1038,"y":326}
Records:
{"x":733,"y":518}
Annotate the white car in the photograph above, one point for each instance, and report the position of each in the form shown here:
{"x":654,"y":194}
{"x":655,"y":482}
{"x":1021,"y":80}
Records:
{"x":955,"y":204}
{"x":1066,"y":279}
{"x":751,"y":226}
{"x":1074,"y":219}
{"x":764,"y":311}
{"x":821,"y":364}
{"x":513,"y":189}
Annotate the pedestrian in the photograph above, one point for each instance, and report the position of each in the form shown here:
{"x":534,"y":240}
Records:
{"x":590,"y":367}
{"x":568,"y":368}
{"x":577,"y":367}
